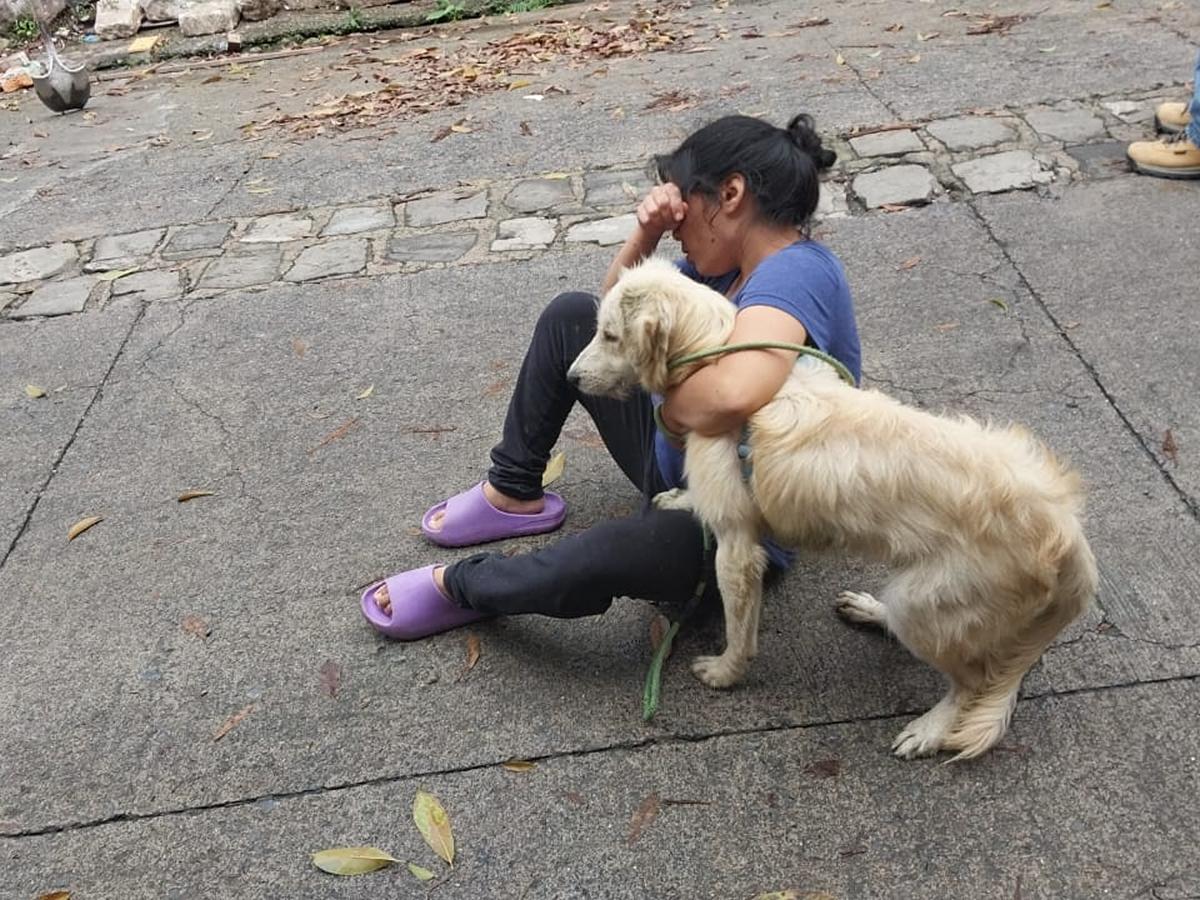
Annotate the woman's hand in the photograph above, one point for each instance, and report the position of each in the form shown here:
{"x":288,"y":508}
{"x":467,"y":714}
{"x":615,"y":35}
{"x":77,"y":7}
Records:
{"x":661,"y":210}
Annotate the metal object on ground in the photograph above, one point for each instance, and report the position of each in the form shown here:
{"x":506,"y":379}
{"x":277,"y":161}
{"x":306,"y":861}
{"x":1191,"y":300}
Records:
{"x":60,"y":85}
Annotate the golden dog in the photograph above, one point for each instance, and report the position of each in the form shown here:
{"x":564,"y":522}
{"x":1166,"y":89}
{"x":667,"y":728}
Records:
{"x":980,"y":524}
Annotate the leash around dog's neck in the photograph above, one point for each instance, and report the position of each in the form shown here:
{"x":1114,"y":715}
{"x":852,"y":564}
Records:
{"x":824,"y":357}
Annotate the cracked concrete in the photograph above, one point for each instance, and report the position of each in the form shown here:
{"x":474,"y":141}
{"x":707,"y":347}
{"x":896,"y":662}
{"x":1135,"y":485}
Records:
{"x":114,"y":784}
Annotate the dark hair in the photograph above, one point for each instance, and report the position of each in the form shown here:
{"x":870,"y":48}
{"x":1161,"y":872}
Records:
{"x":780,"y":165}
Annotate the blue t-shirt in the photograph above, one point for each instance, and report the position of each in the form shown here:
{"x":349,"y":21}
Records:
{"x":806,"y":281}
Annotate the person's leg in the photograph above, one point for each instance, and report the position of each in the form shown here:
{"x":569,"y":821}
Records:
{"x":1193,"y":128}
{"x":543,"y":397}
{"x":1178,"y":155}
{"x":656,"y":555}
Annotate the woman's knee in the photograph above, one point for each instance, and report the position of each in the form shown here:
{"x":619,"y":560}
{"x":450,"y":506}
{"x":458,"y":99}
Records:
{"x":574,"y":310}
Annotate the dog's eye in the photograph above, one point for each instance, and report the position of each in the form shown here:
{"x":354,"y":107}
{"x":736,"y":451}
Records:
{"x":610,"y":337}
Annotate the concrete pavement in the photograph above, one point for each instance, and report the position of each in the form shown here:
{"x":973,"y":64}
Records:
{"x":236,"y":366}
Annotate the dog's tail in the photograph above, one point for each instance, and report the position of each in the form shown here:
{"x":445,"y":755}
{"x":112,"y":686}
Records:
{"x":984,"y":719}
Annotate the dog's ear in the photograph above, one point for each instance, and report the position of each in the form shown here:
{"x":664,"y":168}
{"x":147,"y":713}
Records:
{"x":648,"y":335}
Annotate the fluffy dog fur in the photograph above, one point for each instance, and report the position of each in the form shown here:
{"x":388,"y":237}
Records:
{"x":979,"y":524}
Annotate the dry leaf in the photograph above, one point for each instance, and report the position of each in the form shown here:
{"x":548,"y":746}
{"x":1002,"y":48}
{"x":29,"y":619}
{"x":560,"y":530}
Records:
{"x":118,"y":273}
{"x":260,"y":190}
{"x":270,"y":154}
{"x":518,"y":765}
{"x":196,"y":627}
{"x":367,"y":393}
{"x":331,"y":677}
{"x":420,"y":872}
{"x":915,"y":58}
{"x":646,"y":813}
{"x":211,"y":79}
{"x":441,"y":134}
{"x":201,"y":136}
{"x":1047,"y":49}
{"x":945,"y":326}
{"x":351,"y":860}
{"x":55,"y":895}
{"x":517,"y":85}
{"x":894,"y":207}
{"x":229,"y":724}
{"x":1170,"y":449}
{"x":83,"y":525}
{"x":336,"y":434}
{"x":998,"y":301}
{"x":434,"y":825}
{"x":928,"y":37}
{"x":810,"y":23}
{"x":840,"y":60}
{"x":33,"y":392}
{"x":554,"y":469}
{"x":824,"y":768}
{"x":908,"y":264}
{"x":659,"y":626}
{"x":526,"y":130}
{"x":894,"y":27}
{"x":298,"y":346}
{"x":473,"y":651}
{"x":192,"y":495}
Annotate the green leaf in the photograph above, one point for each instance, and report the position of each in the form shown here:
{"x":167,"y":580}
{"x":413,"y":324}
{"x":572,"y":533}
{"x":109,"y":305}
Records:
{"x":351,"y":860}
{"x":420,"y":872}
{"x":998,"y":301}
{"x":434,"y":825}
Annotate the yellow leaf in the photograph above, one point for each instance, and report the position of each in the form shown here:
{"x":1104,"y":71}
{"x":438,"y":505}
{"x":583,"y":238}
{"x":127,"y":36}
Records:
{"x":517,"y":85}
{"x":420,"y":872}
{"x":841,"y":60}
{"x":351,"y":860}
{"x":554,"y":469}
{"x":33,"y":392}
{"x":55,"y":895}
{"x":192,"y":495}
{"x":473,"y":651}
{"x":144,"y":43}
{"x":260,"y":190}
{"x":270,"y":154}
{"x":518,"y":765}
{"x":83,"y":525}
{"x":434,"y":825}
{"x":200,"y":136}
{"x":118,"y":273}
{"x":367,"y":393}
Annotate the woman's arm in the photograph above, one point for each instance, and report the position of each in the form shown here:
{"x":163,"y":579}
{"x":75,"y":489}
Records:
{"x":659,"y":212}
{"x":720,"y":397}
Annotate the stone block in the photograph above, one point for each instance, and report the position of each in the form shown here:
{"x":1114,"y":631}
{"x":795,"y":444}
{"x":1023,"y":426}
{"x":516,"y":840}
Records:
{"x":831,"y":202}
{"x":538,"y":194}
{"x":7,"y":300}
{"x":197,"y":240}
{"x":896,"y":185}
{"x":257,"y":10}
{"x":36,"y":264}
{"x":239,"y":270}
{"x":604,"y":232}
{"x":278,"y":229}
{"x":1008,"y":171}
{"x":344,"y":257}
{"x":624,"y":187}
{"x":164,"y":10}
{"x":1073,"y":126}
{"x":972,"y":132}
{"x":56,"y":298}
{"x":357,"y":219}
{"x":887,"y":143}
{"x":160,"y":284}
{"x":208,"y":17}
{"x":120,"y":251}
{"x":443,"y":247}
{"x":117,"y":18}
{"x":442,"y":208}
{"x":524,"y":234}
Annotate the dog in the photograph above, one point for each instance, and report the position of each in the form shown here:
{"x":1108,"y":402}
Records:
{"x":979,"y":524}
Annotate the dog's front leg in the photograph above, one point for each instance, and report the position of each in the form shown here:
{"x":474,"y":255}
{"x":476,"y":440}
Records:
{"x":740,"y":564}
{"x":675,"y":498}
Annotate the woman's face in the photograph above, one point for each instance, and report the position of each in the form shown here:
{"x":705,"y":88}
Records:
{"x":705,"y":236}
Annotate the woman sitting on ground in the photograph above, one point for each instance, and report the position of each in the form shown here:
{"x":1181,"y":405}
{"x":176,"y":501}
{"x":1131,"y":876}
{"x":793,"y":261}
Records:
{"x":738,"y":195}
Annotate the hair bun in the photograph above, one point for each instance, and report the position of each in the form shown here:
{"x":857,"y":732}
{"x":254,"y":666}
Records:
{"x":803,"y":134}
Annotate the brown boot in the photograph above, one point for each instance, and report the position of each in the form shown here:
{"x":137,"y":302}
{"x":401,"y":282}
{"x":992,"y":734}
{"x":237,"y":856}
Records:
{"x":1172,"y":157}
{"x":1171,"y":117}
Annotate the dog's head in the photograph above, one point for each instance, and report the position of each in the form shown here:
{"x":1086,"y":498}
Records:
{"x":653,"y":314}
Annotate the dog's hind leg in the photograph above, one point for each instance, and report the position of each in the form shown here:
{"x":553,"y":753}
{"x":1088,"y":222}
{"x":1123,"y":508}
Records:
{"x":861,"y":608}
{"x":740,"y":563}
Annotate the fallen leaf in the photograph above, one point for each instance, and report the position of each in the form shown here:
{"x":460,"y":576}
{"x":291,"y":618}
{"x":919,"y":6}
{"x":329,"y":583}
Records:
{"x":55,"y":895}
{"x":434,"y":825}
{"x":420,"y":872}
{"x":83,"y":525}
{"x":518,"y":765}
{"x":1104,"y":4}
{"x":824,"y":768}
{"x":526,"y":130}
{"x":659,"y":626}
{"x":908,"y":264}
{"x":298,"y":346}
{"x":441,"y":134}
{"x":351,"y":860}
{"x":1170,"y":449}
{"x":928,"y":37}
{"x":336,"y":434}
{"x":810,"y":23}
{"x":211,"y":79}
{"x":331,"y":677}
{"x":270,"y":154}
{"x":894,"y":207}
{"x":646,"y":813}
{"x":517,"y":85}
{"x":945,"y":326}
{"x":192,"y":495}
{"x":433,"y":429}
{"x":460,"y":128}
{"x":554,"y":469}
{"x":196,"y":627}
{"x":143,"y":43}
{"x":260,"y":190}
{"x":840,"y":60}
{"x":1047,"y":49}
{"x":33,"y":392}
{"x":894,"y":27}
{"x":473,"y":651}
{"x":201,"y":136}
{"x":229,"y":724}
{"x":367,"y":393}
{"x":915,"y":58}
{"x":118,"y":273}
{"x":998,"y":301}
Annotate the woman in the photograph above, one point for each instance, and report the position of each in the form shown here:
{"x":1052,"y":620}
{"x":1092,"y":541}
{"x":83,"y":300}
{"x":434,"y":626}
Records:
{"x":738,"y":196}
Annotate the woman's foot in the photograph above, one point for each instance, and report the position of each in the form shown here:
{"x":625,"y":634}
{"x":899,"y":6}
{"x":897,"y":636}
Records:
{"x":481,"y":514}
{"x":502,"y":502}
{"x":415,"y":604}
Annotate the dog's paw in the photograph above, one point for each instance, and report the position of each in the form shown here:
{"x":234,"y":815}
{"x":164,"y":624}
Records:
{"x":675,"y":498}
{"x":923,"y":736}
{"x":718,"y":671}
{"x":855,"y":606}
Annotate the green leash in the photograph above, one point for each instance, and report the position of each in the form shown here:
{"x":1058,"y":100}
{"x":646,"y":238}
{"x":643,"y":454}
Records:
{"x":652,"y":691}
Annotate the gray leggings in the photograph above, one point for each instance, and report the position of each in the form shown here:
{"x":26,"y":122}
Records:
{"x":654,"y":555}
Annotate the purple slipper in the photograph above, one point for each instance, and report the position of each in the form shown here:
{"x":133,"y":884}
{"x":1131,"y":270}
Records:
{"x":470,"y":519}
{"x":419,"y":609}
